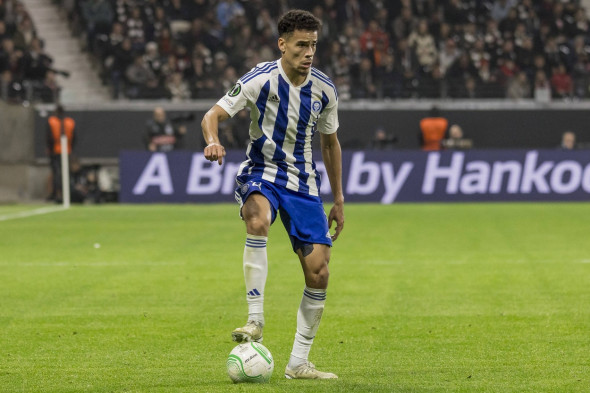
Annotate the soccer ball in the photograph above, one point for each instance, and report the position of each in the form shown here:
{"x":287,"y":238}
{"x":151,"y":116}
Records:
{"x":250,"y":362}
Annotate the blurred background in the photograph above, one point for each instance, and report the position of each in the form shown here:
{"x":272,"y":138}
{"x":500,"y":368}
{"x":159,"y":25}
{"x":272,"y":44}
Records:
{"x":501,"y":74}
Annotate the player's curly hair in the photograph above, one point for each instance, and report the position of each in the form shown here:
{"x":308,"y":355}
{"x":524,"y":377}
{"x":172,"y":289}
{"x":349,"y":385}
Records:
{"x":298,"y":20}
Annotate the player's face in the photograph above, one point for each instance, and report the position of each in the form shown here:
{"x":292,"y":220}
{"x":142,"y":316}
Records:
{"x":298,"y":49}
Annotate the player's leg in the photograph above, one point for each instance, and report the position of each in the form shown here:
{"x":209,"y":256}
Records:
{"x":256,"y":213}
{"x":314,"y":260}
{"x":305,"y":220}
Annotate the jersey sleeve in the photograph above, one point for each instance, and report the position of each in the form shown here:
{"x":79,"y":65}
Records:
{"x":234,"y":100}
{"x":328,"y":121}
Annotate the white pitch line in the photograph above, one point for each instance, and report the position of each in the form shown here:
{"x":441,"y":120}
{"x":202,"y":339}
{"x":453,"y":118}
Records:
{"x":29,"y":213}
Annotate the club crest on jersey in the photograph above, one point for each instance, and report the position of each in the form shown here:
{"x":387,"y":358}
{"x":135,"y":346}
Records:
{"x":234,"y":91}
{"x":316,"y":107}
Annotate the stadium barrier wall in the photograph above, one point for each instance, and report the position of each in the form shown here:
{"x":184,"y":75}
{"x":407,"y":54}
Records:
{"x":21,"y":179}
{"x":16,"y":136}
{"x":375,"y":176}
{"x":103,"y":131}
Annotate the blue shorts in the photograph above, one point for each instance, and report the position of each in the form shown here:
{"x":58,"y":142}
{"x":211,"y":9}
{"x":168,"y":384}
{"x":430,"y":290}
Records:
{"x":302,"y":215}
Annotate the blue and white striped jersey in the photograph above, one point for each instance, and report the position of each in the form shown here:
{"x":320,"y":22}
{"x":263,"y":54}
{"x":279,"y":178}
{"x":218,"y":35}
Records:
{"x":284,"y":119}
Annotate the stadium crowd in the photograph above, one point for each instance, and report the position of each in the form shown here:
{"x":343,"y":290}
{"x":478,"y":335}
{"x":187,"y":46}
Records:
{"x":26,"y":71}
{"x":190,"y":49}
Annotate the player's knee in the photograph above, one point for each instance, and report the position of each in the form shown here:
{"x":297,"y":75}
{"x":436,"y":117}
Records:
{"x":318,"y":278}
{"x":324,"y":275}
{"x":256,"y":225}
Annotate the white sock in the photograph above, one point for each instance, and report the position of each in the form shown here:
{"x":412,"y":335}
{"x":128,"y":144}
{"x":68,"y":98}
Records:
{"x":308,"y":322}
{"x":255,"y":272}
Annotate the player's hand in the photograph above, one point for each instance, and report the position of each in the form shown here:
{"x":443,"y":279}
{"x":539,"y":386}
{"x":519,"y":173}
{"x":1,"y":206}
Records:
{"x":336,"y":214}
{"x":215,"y":152}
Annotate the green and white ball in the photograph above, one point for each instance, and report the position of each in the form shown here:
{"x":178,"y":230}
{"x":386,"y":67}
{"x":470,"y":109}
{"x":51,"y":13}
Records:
{"x":250,"y":362}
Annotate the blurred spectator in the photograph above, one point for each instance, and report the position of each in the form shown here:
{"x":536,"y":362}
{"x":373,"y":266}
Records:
{"x":328,"y":31}
{"x":501,"y":8}
{"x":389,"y":78}
{"x":479,"y":55}
{"x":458,"y":73}
{"x":432,"y":130}
{"x":138,"y":75}
{"x":49,"y":90}
{"x":364,"y":82}
{"x":581,"y":25}
{"x":489,"y":82}
{"x":24,"y":34}
{"x":9,"y":56}
{"x":83,"y":183}
{"x":561,"y":82}
{"x":507,"y":25}
{"x":165,"y":43}
{"x":382,"y":140}
{"x":431,"y":83}
{"x":555,"y":53}
{"x":519,"y":87}
{"x":448,"y":55}
{"x":542,"y":88}
{"x":178,"y":13}
{"x":152,"y":58}
{"x":228,"y":79}
{"x":227,"y":10}
{"x":404,"y":23}
{"x":508,"y":71}
{"x":35,"y":62}
{"x":492,"y":36}
{"x":198,"y":8}
{"x":406,"y":62}
{"x":178,"y":88}
{"x":135,"y":29}
{"x":162,"y":134}
{"x":158,"y":24}
{"x":98,"y":17}
{"x":568,"y":140}
{"x":122,"y":58}
{"x":468,"y":89}
{"x":525,"y":55}
{"x":353,"y":11}
{"x":454,"y":13}
{"x":422,"y":43}
{"x":456,"y":139}
{"x":372,"y":37}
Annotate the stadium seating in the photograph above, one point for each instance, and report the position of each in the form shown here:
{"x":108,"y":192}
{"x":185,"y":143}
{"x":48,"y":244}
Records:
{"x":181,"y":49}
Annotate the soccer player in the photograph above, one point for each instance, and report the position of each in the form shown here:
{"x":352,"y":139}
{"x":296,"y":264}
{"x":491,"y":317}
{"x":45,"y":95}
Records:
{"x":289,"y":101}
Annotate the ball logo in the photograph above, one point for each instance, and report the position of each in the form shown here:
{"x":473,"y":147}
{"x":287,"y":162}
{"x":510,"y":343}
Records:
{"x":234,"y":91}
{"x":316,"y":106}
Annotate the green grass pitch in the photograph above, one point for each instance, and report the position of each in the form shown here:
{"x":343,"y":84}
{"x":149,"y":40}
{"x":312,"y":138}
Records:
{"x":422,"y":298}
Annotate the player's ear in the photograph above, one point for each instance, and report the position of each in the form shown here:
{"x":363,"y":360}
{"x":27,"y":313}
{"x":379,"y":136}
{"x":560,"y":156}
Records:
{"x":282,"y":44}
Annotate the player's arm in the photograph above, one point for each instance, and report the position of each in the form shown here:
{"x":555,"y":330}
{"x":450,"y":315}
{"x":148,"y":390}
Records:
{"x":214,"y":151}
{"x":332,"y":155}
